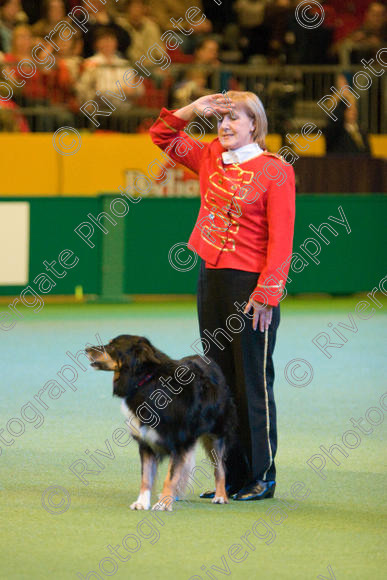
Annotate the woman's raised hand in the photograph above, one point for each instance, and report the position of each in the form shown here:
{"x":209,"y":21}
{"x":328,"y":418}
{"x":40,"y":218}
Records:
{"x":205,"y":105}
{"x":218,"y":102}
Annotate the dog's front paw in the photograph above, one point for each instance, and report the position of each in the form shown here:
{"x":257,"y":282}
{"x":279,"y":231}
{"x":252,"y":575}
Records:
{"x":164,"y":504}
{"x":220,"y":499}
{"x":139,"y":505}
{"x":142,"y":502}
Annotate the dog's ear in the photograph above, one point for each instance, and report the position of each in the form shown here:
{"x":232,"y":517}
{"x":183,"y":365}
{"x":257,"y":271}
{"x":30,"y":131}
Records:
{"x":134,"y":356}
{"x":146,"y":353}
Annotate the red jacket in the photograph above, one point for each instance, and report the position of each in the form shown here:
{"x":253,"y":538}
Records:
{"x":247,"y":212}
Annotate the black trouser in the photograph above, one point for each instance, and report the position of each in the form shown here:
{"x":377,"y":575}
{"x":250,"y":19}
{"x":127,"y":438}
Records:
{"x":246,"y":361}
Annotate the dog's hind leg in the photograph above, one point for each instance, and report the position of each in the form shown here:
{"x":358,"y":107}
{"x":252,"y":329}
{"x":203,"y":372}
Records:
{"x":149,"y":463}
{"x":217,"y":447}
{"x":175,"y":470}
{"x":189,"y":464}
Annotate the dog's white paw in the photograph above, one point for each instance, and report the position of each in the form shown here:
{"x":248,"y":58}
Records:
{"x":138,"y":505}
{"x":164,"y":505}
{"x":220,"y":499}
{"x":142,"y":502}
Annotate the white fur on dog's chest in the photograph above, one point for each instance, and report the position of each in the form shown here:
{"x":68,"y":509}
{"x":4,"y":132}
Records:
{"x":147,"y":434}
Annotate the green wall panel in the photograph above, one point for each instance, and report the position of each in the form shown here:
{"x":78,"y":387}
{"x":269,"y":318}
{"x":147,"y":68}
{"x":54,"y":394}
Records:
{"x":349,"y":263}
{"x":153,"y":227}
{"x":353,"y":262}
{"x":52,"y":223}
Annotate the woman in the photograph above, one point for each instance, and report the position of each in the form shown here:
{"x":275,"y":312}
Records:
{"x":32,"y":91}
{"x":244,"y":235}
{"x":11,"y":13}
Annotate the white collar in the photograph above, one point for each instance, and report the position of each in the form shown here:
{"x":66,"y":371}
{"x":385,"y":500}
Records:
{"x":242,"y":154}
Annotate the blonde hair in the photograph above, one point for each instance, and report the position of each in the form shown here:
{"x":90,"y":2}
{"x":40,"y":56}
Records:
{"x":253,"y":107}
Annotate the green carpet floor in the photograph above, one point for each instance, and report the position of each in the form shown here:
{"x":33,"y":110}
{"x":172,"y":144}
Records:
{"x":335,"y":531}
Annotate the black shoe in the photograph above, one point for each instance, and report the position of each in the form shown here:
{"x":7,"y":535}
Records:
{"x":231,"y":490}
{"x":256,"y":490}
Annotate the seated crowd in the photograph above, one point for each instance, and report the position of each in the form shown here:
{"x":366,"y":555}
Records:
{"x":119,"y":34}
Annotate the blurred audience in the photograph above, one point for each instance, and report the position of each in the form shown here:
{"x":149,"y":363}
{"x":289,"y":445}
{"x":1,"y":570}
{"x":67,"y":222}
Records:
{"x":34,"y":90}
{"x":306,"y":46}
{"x":365,"y":41}
{"x":163,"y":11}
{"x":344,"y":136}
{"x":11,"y":13}
{"x":196,"y":81}
{"x":192,"y":87}
{"x":199,"y":79}
{"x":53,"y":11}
{"x":104,"y":69}
{"x":252,"y":29}
{"x":68,"y":70}
{"x":279,"y":15}
{"x":220,"y":15}
{"x":70,"y":56}
{"x":207,"y":52}
{"x":144,"y":32}
{"x":105,"y":16}
{"x":251,"y":32}
{"x":37,"y":93}
{"x":33,"y":10}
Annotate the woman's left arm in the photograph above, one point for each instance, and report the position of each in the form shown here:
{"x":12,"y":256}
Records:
{"x":280,"y":218}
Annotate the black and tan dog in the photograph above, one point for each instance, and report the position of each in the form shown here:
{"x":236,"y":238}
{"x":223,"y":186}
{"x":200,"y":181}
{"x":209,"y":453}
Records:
{"x":171,"y":404}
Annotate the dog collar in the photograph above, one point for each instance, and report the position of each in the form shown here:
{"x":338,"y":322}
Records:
{"x":144,"y":380}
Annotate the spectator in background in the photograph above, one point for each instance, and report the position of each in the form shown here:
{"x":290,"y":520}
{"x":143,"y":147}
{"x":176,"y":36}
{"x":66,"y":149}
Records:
{"x":199,"y":77}
{"x":35,"y":92}
{"x":33,"y":10}
{"x":163,"y":11}
{"x":70,"y":56}
{"x":220,"y":15}
{"x":191,"y":88}
{"x":11,"y":13}
{"x":253,"y":32}
{"x":11,"y":119}
{"x":344,"y":16}
{"x":301,"y":45}
{"x":53,"y":12}
{"x":194,"y":83}
{"x":279,"y":15}
{"x":101,"y":73}
{"x":69,"y":67}
{"x":344,"y":136}
{"x":207,"y":52}
{"x":143,"y":31}
{"x":105,"y":17}
{"x":366,"y":40}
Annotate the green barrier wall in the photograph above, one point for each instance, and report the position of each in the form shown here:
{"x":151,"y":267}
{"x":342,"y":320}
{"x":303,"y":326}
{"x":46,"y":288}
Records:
{"x":350,"y":263}
{"x":133,"y":257}
{"x":52,"y":223}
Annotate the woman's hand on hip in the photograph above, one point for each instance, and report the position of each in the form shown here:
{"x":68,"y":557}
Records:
{"x":263,"y":314}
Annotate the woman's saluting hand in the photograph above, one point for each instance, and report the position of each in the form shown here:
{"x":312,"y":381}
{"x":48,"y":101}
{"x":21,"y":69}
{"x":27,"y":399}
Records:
{"x":205,"y":105}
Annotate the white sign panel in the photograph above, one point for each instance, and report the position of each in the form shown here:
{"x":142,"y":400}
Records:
{"x":14,"y":242}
